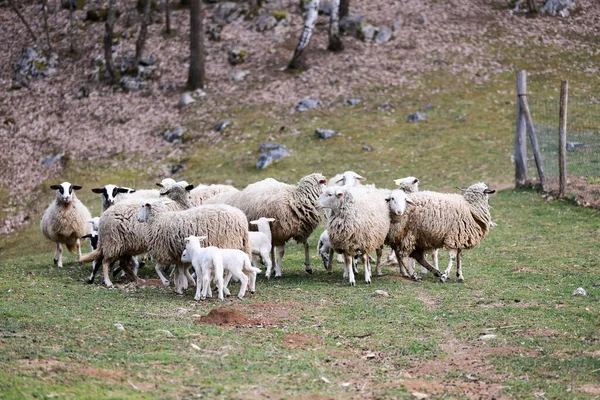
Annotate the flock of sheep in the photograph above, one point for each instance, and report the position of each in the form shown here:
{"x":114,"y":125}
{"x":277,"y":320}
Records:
{"x":208,"y":226}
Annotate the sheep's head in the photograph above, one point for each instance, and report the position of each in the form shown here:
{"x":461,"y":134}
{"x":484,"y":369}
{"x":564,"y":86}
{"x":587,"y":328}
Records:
{"x":144,"y":212}
{"x":166,"y":184}
{"x":64,"y":192}
{"x":262,"y":220}
{"x":110,"y":192}
{"x":409,"y":184}
{"x":398,"y":201}
{"x":477,"y":192}
{"x":350,"y":178}
{"x":178,"y":190}
{"x":330,"y":197}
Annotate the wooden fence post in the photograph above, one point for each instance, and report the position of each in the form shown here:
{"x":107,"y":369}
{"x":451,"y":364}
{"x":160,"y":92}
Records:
{"x":562,"y":139}
{"x":537,"y":155}
{"x":520,"y":140}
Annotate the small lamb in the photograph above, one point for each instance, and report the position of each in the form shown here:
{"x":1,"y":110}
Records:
{"x":206,"y":261}
{"x":65,"y":220}
{"x":93,"y":236}
{"x":260,"y":243}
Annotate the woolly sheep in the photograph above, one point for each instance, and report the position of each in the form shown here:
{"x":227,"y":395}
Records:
{"x":348,"y":178}
{"x":65,"y":220}
{"x":188,"y":196}
{"x":225,"y":227}
{"x":206,"y":261}
{"x":260,"y":243}
{"x":293,"y":207}
{"x":110,"y":193}
{"x":440,"y":220}
{"x":237,"y":265}
{"x":359,"y":223}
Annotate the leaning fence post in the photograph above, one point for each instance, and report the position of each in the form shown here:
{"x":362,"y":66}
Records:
{"x":539,"y":163}
{"x":562,"y":139}
{"x":520,"y":140}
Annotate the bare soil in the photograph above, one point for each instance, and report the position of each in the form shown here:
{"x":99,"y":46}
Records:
{"x":229,"y":317}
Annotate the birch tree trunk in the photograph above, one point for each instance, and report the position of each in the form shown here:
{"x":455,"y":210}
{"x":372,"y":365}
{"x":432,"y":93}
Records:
{"x":167,"y":17}
{"x":196,"y":72}
{"x":309,"y":24}
{"x":344,"y":8}
{"x":14,"y":7}
{"x":335,"y":42}
{"x":108,"y":41}
{"x":45,"y":12}
{"x":141,"y":42}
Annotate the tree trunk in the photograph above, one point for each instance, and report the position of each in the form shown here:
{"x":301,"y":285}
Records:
{"x":45,"y":12}
{"x":139,"y":45}
{"x":108,"y":41}
{"x":72,"y":48}
{"x":196,"y":72}
{"x":167,"y":17}
{"x":344,"y":8}
{"x":14,"y":7}
{"x":311,"y":19}
{"x":532,"y":6}
{"x":335,"y":42}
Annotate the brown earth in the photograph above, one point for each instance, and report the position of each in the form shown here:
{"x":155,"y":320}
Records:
{"x":301,"y":340}
{"x":229,"y":317}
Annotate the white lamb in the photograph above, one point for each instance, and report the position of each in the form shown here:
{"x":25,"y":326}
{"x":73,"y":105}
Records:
{"x":65,"y":220}
{"x":207,"y":262}
{"x":260,"y":242}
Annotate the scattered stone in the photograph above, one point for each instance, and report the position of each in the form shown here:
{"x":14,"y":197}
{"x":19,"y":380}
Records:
{"x":213,"y":32}
{"x":325,"y":8}
{"x":580,"y":292}
{"x":226,"y":12}
{"x":198,"y":93}
{"x":76,"y":4}
{"x":428,"y":106}
{"x":352,"y":102}
{"x":366,"y":33}
{"x":308,"y":104}
{"x":148,"y":60}
{"x":185,"y":99}
{"x":265,"y":22}
{"x":177,"y":168}
{"x":168,"y":333}
{"x":50,"y":160}
{"x":420,"y":396}
{"x":83,"y":92}
{"x":487,"y":336}
{"x":149,"y":72}
{"x":423,"y":19}
{"x":558,"y":7}
{"x":416,"y":117}
{"x":382,"y":293}
{"x":119,"y":326}
{"x":397,"y":24}
{"x":367,"y":148}
{"x":238,"y":76}
{"x":325,"y":380}
{"x":131,"y":83}
{"x":195,"y":346}
{"x":350,"y":25}
{"x":571,"y":146}
{"x":237,"y":56}
{"x":271,"y":153}
{"x":385,"y":106}
{"x":222,"y":125}
{"x":370,"y":356}
{"x":325,"y":133}
{"x":384,"y":34}
{"x":174,"y":135}
{"x":33,"y":65}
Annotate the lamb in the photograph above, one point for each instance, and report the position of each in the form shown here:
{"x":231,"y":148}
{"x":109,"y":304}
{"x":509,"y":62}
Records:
{"x":237,"y":264}
{"x":93,"y":236}
{"x":359,"y":223}
{"x":65,"y":220}
{"x":260,"y":242}
{"x":165,"y":232}
{"x":293,"y":207}
{"x":440,"y":220}
{"x":206,"y":261}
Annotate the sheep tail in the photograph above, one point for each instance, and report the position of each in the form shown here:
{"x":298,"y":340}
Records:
{"x":72,"y":248}
{"x":94,"y":255}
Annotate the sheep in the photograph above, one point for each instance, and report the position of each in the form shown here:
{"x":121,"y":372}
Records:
{"x":359,"y":223}
{"x":93,"y":236}
{"x":206,"y":261}
{"x":237,"y":264}
{"x":260,"y":242}
{"x":348,"y":178}
{"x":188,"y":196}
{"x":165,"y":231}
{"x":293,"y":207}
{"x":110,"y":193}
{"x":65,"y":220}
{"x":440,"y":220}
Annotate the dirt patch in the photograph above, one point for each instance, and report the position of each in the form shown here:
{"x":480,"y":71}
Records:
{"x":301,"y":340}
{"x":154,"y":283}
{"x":276,"y":314}
{"x":470,"y":390}
{"x":228,"y":316}
{"x":431,"y":303}
{"x":52,"y":366}
{"x":584,"y":192}
{"x":526,"y":270}
{"x":591,"y":389}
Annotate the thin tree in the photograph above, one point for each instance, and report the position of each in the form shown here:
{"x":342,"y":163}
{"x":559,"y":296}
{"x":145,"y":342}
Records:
{"x":45,"y":12}
{"x":344,"y":8}
{"x":167,"y":17}
{"x":532,"y":6}
{"x":141,"y":42}
{"x":72,"y":46}
{"x":196,"y":72}
{"x":335,"y":42}
{"x":14,"y":7}
{"x":311,"y":19}
{"x":108,"y":41}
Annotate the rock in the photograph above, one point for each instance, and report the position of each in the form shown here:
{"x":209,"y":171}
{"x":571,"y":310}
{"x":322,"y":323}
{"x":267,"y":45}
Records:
{"x":367,"y":148}
{"x":237,"y":56}
{"x":370,"y":356}
{"x":76,"y":4}
{"x":226,"y":12}
{"x":580,"y":292}
{"x":308,"y":104}
{"x":558,"y":7}
{"x":83,"y":92}
{"x":487,"y":336}
{"x":131,"y":83}
{"x":119,"y":326}
{"x":416,"y":117}
{"x":423,"y":19}
{"x":198,"y":93}
{"x":148,"y":60}
{"x":238,"y":76}
{"x":185,"y":99}
{"x":99,"y":14}
{"x":571,"y":146}
{"x":325,"y":133}
{"x":384,"y":34}
{"x":166,"y":332}
{"x":213,"y":32}
{"x":265,"y":22}
{"x":271,"y":153}
{"x":420,"y":396}
{"x":222,"y":125}
{"x":177,"y":168}
{"x":350,"y":25}
{"x":428,"y":106}
{"x":324,"y":8}
{"x":352,"y":102}
{"x":33,"y":65}
{"x":174,"y":135}
{"x":382,"y":293}
{"x":148,"y":73}
{"x":366,"y":33}
{"x":397,"y":24}
{"x":385,"y":106}
{"x":50,"y":160}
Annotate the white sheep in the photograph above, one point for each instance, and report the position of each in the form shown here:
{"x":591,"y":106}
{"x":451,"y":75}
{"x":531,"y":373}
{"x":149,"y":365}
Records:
{"x":440,"y":220}
{"x":348,"y":178}
{"x":65,"y":220}
{"x":260,"y":242}
{"x":93,"y":236}
{"x":206,"y":261}
{"x":237,"y":265}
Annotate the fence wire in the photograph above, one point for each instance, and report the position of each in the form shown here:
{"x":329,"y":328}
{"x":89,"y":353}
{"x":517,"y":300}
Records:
{"x":583,"y":137}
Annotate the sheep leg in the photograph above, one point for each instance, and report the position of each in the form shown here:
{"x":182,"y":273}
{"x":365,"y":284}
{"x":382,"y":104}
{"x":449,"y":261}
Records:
{"x":330,"y":262}
{"x":252,"y":281}
{"x":177,"y":279}
{"x":367,"y":263}
{"x":243,"y":281}
{"x":281,"y":252}
{"x":308,"y":267}
{"x":404,"y":262}
{"x":434,"y":255}
{"x":379,"y":253}
{"x":345,"y":275}
{"x":198,"y":283}
{"x":205,"y":281}
{"x":255,"y":260}
{"x":355,"y":265}
{"x":58,"y":255}
{"x":219,"y":281}
{"x":159,"y":271}
{"x":95,"y":266}
{"x":78,"y":244}
{"x":459,"y":274}
{"x":348,"y":265}
{"x":226,"y":279}
{"x":105,"y":271}
{"x":189,"y":277}
{"x":420,"y":258}
{"x":266,"y":257}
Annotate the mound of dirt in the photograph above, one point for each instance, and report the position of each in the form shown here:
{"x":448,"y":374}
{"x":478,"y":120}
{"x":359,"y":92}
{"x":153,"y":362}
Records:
{"x":227,"y":316}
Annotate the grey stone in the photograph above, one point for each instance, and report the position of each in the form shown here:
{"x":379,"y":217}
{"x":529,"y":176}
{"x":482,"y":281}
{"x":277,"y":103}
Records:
{"x":237,"y":56}
{"x":226,"y":12}
{"x":33,"y":65}
{"x":149,"y":72}
{"x":213,"y":32}
{"x":488,"y":336}
{"x":423,"y":19}
{"x":148,"y":60}
{"x":416,"y":117}
{"x":428,"y":106}
{"x":572,"y":146}
{"x":397,"y":24}
{"x":222,"y":125}
{"x":350,"y":25}
{"x":352,"y":102}
{"x":580,"y":292}
{"x":382,"y":293}
{"x":366,"y":33}
{"x":186,"y":99}
{"x":265,"y":22}
{"x":384,"y":34}
{"x":270,"y":153}
{"x":558,"y":7}
{"x":48,"y":161}
{"x":177,"y":168}
{"x":83,"y":92}
{"x":367,"y":148}
{"x":131,"y":83}
{"x":385,"y":106}
{"x":308,"y":104}
{"x":238,"y":76}
{"x":325,"y":133}
{"x":174,"y":135}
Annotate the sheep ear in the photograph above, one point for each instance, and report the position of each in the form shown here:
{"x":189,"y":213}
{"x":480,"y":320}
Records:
{"x":187,"y":240}
{"x":86,"y":236}
{"x":463,"y":189}
{"x":489,"y":191}
{"x":415,"y":181}
{"x":55,"y":187}
{"x":397,"y":182}
{"x":159,"y":184}
{"x":360,"y":178}
{"x":148,"y":205}
{"x":77,"y":187}
{"x":165,"y":192}
{"x":189,"y":187}
{"x":124,"y":190}
{"x":322,"y":181}
{"x":271,"y":219}
{"x":98,"y":190}
{"x":409,"y":201}
{"x":253,"y":222}
{"x":388,"y":199}
{"x":339,"y":194}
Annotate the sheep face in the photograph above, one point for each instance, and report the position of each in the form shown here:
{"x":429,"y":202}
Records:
{"x":144,"y":212}
{"x":409,"y":184}
{"x":191,"y":242}
{"x":330,"y":198}
{"x":64,"y":192}
{"x":397,"y":201}
{"x":262,"y":220}
{"x":477,"y":192}
{"x":185,"y":256}
{"x":350,"y":178}
{"x":110,"y":192}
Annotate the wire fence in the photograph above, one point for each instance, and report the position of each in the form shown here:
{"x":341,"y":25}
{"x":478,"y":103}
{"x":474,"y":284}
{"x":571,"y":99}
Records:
{"x":583,"y":137}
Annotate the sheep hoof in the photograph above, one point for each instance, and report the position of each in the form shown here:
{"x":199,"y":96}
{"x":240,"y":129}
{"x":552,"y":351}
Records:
{"x":166,"y":283}
{"x":443,"y":278}
{"x":461,"y":279}
{"x":352,"y":284}
{"x":240,"y":297}
{"x":309,"y":271}
{"x":278,"y":277}
{"x":55,"y":261}
{"x":90,"y":280}
{"x":196,"y":298}
{"x":417,"y":278}
{"x":368,"y":282}
{"x":252,"y":292}
{"x":329,"y":273}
